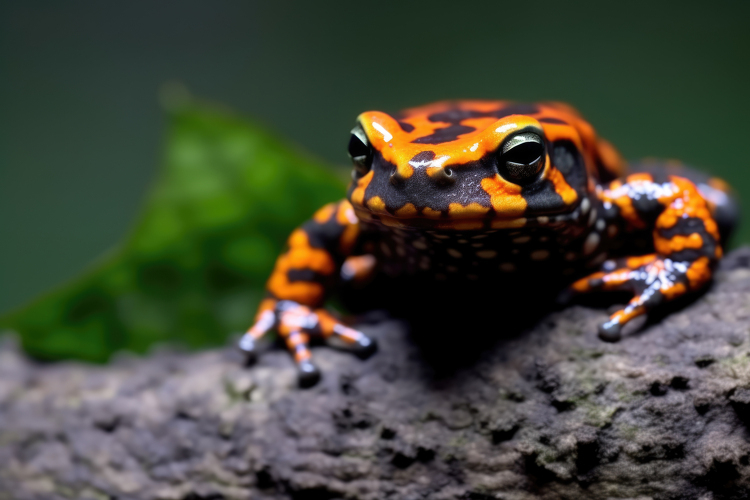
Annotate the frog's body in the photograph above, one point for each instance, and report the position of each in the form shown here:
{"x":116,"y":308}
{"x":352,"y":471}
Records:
{"x":472,"y":193}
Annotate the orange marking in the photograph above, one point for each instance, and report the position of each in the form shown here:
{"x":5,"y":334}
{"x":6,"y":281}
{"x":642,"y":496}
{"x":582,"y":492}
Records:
{"x":324,"y":213}
{"x":677,"y":243}
{"x":376,"y":204}
{"x":505,"y":197}
{"x":459,"y":211}
{"x":433,"y":214}
{"x":699,"y":273}
{"x":358,"y":195}
{"x":506,"y":224}
{"x":408,"y":210}
{"x":567,"y":193}
{"x":673,"y":291}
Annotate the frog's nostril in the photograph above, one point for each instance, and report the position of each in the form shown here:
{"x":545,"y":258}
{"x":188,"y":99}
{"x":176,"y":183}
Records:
{"x":443,"y":176}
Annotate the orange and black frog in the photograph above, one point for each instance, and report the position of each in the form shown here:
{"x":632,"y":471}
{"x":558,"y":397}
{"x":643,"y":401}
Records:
{"x":463,"y":194}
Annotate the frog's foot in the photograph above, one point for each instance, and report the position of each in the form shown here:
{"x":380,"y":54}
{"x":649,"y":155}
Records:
{"x":652,"y":280}
{"x":296,"y":324}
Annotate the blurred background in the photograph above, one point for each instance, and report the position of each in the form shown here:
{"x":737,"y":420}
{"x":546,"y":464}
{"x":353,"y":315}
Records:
{"x":82,"y":130}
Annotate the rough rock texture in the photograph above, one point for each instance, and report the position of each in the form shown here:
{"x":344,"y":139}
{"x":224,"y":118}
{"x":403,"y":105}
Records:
{"x":551,"y":413}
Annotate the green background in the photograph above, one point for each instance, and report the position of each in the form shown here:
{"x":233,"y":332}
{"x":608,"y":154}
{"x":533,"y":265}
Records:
{"x":83,"y":129}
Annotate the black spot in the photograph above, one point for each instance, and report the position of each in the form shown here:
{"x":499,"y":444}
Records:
{"x":302,"y":275}
{"x":456,"y":115}
{"x":553,"y":120}
{"x":704,"y":361}
{"x":406,"y":127}
{"x":446,"y":134}
{"x":657,"y":389}
{"x":402,"y":461}
{"x":197,"y":496}
{"x":324,"y":235}
{"x":424,"y":156}
{"x":475,"y":495}
{"x":425,"y":455}
{"x":387,"y":433}
{"x":563,"y":405}
{"x":264,"y":480}
{"x":504,"y":433}
{"x":680,"y":383}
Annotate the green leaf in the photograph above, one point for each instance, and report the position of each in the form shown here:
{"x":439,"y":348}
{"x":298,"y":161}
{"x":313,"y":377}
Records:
{"x":194,"y":267}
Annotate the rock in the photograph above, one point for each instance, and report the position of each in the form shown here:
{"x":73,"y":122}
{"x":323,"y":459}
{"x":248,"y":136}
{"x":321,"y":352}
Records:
{"x":548,"y":413}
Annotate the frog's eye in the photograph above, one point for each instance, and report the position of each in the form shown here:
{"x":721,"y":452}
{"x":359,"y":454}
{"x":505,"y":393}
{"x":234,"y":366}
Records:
{"x":360,"y":150}
{"x":522,"y":157}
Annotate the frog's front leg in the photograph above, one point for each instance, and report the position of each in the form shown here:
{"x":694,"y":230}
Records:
{"x":686,"y":243}
{"x":310,"y":268}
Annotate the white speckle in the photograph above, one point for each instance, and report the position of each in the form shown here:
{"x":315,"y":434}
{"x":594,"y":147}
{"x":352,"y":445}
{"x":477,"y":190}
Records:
{"x":609,"y":266}
{"x":420,"y":244}
{"x":504,"y":128}
{"x":486,"y":254}
{"x":522,"y":239}
{"x":386,"y":135}
{"x":385,"y":249}
{"x":592,"y":217}
{"x":474,"y":147}
{"x":507,"y":267}
{"x":462,"y":241}
{"x":585,"y":205}
{"x":611,"y":231}
{"x":592,"y":241}
{"x":350,"y":216}
{"x":454,"y":253}
{"x":451,"y":269}
{"x":543,"y":219}
{"x":539,"y":254}
{"x":600,"y":224}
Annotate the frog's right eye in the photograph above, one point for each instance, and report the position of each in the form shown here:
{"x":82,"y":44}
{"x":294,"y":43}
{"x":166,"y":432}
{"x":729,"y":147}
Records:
{"x":360,"y":150}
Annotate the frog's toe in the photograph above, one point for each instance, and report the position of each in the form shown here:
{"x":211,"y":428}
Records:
{"x":365,"y":347}
{"x":307,"y":374}
{"x":246,"y":344}
{"x":610,"y":331}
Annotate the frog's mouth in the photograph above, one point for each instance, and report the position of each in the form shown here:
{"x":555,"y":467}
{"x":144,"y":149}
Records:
{"x":484,"y":221}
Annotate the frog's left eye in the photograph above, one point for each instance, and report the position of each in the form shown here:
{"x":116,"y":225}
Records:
{"x":522,"y":157}
{"x":360,"y":150}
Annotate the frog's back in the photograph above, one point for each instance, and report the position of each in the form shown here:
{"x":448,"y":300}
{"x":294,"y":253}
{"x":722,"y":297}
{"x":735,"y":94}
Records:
{"x":455,"y":124}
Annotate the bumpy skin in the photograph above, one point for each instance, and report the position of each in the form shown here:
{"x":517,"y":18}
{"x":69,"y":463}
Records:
{"x":487,"y":191}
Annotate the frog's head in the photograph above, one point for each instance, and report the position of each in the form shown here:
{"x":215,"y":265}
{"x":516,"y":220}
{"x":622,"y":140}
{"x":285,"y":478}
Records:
{"x":475,"y":165}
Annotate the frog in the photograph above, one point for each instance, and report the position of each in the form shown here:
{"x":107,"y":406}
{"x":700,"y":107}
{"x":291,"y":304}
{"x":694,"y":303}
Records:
{"x":467,"y":192}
